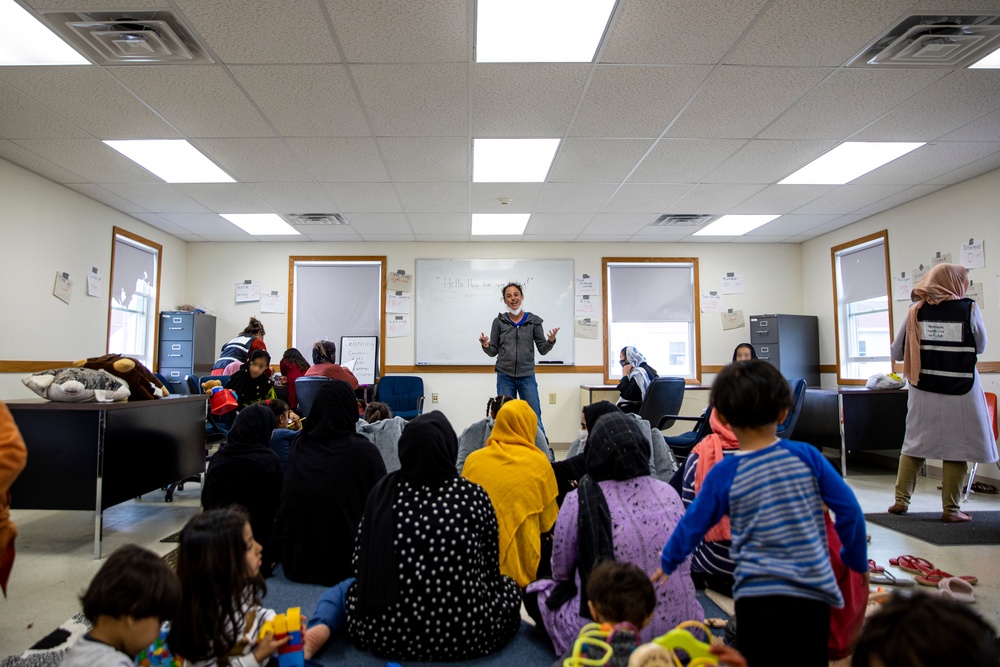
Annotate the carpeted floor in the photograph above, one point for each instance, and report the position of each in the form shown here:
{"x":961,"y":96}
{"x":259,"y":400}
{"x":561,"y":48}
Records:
{"x":927,"y":526}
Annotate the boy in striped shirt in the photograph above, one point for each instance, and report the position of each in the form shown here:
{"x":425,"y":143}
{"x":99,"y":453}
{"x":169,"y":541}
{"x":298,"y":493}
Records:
{"x":773,"y":492}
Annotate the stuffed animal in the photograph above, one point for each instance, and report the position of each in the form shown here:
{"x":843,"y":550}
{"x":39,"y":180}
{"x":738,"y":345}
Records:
{"x":77,"y":385}
{"x":141,"y":382}
{"x":208,"y":385}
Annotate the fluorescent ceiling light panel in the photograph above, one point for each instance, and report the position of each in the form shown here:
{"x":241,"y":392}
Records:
{"x":499,"y":224}
{"x":848,"y":161}
{"x":512,"y":160}
{"x":24,"y":40}
{"x":735,"y":225}
{"x":173,"y":160}
{"x":991,"y":61}
{"x":540,"y":31}
{"x":260,"y":224}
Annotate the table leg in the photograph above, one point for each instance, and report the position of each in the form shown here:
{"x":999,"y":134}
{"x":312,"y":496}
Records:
{"x":843,"y":439}
{"x":102,"y":421}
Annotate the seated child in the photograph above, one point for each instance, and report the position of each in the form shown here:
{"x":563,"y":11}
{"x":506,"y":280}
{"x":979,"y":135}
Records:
{"x":128,"y":600}
{"x":286,"y":429}
{"x":383,"y":429}
{"x":773,"y":491}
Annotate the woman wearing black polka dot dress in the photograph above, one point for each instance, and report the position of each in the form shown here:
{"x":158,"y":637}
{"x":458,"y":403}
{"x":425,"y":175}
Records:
{"x":427,"y":559}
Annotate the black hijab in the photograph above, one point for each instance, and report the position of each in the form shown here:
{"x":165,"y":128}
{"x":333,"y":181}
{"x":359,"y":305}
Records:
{"x":334,"y":413}
{"x":251,"y":431}
{"x":248,"y":389}
{"x":595,"y":410}
{"x":428,"y":448}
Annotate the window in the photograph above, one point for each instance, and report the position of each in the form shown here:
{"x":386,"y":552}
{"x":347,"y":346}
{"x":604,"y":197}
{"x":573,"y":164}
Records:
{"x":862,"y":313}
{"x":650,"y":303}
{"x":135,"y":297}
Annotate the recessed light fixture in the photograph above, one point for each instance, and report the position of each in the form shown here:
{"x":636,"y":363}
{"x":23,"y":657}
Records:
{"x":260,"y":224}
{"x":173,"y":160}
{"x":848,"y":161}
{"x":735,"y":225}
{"x":499,"y":224}
{"x":991,"y":61}
{"x":24,"y":40}
{"x":529,"y":31}
{"x":512,"y":160}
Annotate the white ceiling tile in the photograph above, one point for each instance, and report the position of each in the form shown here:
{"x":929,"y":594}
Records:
{"x":222,"y":109}
{"x":522,"y":196}
{"x":834,"y":225}
{"x":290,"y":238}
{"x":781,"y":199}
{"x":294,"y":197}
{"x":953,"y":101}
{"x":849,"y":198}
{"x":91,"y":99}
{"x":847,"y":101}
{"x":388,"y":238}
{"x":190,"y":238}
{"x":791,"y":225}
{"x":425,"y":224}
{"x":599,"y":238}
{"x":202,"y":223}
{"x":644,"y":198}
{"x":442,"y":238}
{"x":364,"y":197}
{"x":161,"y":224}
{"x":574,"y":197}
{"x":85,"y":5}
{"x":393,"y":31}
{"x":225,"y":197}
{"x":525,"y":99}
{"x":928,"y":162}
{"x":625,"y":101}
{"x":393,"y":93}
{"x":968,"y":171}
{"x":623,"y":224}
{"x":97,"y":161}
{"x":765,"y":161}
{"x":434,"y":197}
{"x":98,"y":193}
{"x":741,"y":101}
{"x":255,"y":160}
{"x":352,"y":237}
{"x":304,"y":100}
{"x":379,"y":224}
{"x":986,"y":128}
{"x":338,"y":232}
{"x":639,"y":33}
{"x":586,"y":160}
{"x":26,"y":159}
{"x":156,"y":197}
{"x":763,"y":238}
{"x":239,"y":236}
{"x":549,"y":238}
{"x":795,"y":33}
{"x":555,"y":224}
{"x":22,"y":117}
{"x":422,"y":159}
{"x":916,"y":192}
{"x":258,"y":31}
{"x":714,"y":197}
{"x":684,"y":160}
{"x":350,"y":160}
{"x":651,"y":234}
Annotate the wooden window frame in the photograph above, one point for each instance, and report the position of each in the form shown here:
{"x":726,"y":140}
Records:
{"x":155,"y":315}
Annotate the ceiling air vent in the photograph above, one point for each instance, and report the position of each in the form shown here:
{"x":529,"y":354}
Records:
{"x":681,"y":220}
{"x":303,"y":219}
{"x":129,"y":38}
{"x":933,"y":41}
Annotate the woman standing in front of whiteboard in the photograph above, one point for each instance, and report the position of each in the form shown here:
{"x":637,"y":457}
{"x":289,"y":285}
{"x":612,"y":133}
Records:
{"x":512,"y":340}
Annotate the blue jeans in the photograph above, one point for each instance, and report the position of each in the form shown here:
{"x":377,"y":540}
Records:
{"x":525,"y":388}
{"x":331,"y":610}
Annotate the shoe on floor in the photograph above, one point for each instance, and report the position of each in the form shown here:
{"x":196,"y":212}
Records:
{"x":897,"y":508}
{"x":958,"y":517}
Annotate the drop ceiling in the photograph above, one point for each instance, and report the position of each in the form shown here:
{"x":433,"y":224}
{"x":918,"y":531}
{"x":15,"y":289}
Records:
{"x":368,"y":109}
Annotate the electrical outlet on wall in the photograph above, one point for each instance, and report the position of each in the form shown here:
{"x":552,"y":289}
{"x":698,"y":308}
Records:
{"x":434,"y":398}
{"x":552,"y":399}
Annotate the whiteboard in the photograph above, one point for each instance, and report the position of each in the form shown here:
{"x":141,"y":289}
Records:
{"x":364,"y":351}
{"x":457,"y":299}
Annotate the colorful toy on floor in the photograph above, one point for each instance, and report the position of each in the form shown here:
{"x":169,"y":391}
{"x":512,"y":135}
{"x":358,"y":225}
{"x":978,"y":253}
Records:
{"x":680,"y":638}
{"x":287,"y":625}
{"x":159,"y":655}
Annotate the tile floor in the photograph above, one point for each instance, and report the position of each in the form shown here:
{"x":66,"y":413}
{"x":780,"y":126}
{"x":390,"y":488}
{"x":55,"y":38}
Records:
{"x":54,"y":551}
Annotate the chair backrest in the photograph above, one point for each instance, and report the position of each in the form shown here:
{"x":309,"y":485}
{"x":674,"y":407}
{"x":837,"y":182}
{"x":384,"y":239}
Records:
{"x":305,"y":391}
{"x":991,"y":405}
{"x":798,"y":389}
{"x":193,"y":384}
{"x":663,"y":397}
{"x":402,"y":393}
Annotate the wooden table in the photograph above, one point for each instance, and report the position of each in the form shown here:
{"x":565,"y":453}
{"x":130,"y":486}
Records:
{"x":90,"y":456}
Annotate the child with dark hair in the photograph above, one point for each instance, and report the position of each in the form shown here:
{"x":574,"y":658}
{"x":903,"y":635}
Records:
{"x":292,"y":366}
{"x":925,"y":631}
{"x":324,"y":354}
{"x":773,"y":492}
{"x":251,"y":383}
{"x":744,"y":352}
{"x":287,"y":427}
{"x":377,"y":411}
{"x":128,"y":600}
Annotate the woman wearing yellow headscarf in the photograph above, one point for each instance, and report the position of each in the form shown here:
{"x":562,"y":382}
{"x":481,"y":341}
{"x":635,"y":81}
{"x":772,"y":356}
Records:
{"x":519,"y":480}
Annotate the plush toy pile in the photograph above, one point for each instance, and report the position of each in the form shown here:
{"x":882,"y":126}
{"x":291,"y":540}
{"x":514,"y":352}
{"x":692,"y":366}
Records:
{"x":77,"y":385}
{"x":144,"y":386}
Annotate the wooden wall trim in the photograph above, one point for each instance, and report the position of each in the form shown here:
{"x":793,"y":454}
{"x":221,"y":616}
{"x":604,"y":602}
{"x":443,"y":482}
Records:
{"x":19,"y":366}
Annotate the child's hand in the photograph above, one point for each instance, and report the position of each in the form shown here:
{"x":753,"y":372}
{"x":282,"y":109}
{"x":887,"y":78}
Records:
{"x":658,"y":577}
{"x":267,"y":645}
{"x":294,"y":422}
{"x":727,"y":655}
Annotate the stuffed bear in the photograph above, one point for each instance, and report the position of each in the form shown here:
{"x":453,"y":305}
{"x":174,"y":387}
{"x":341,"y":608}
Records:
{"x":141,"y":382}
{"x":208,"y":385}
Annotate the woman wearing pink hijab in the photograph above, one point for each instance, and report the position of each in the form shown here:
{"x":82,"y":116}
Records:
{"x":947,"y":417}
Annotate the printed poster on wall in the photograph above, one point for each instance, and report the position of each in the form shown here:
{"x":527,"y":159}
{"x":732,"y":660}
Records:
{"x":918,"y":273}
{"x":586,"y":306}
{"x":901,"y":287}
{"x":973,"y":255}
{"x":975,"y":292}
{"x":397,"y":326}
{"x":63,"y":288}
{"x":93,"y":282}
{"x":732,"y":283}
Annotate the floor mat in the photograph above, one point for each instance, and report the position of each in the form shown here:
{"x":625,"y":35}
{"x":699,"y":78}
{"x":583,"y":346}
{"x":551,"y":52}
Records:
{"x":927,"y":526}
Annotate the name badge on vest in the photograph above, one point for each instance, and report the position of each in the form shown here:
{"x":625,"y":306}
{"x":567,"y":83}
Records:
{"x":947,"y":332}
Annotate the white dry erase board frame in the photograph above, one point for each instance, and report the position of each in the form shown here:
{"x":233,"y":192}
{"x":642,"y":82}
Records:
{"x":364,"y":349}
{"x":457,"y":299}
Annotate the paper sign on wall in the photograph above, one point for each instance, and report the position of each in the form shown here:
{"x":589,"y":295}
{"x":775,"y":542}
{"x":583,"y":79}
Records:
{"x":733,"y":319}
{"x":585,"y":305}
{"x":973,"y":255}
{"x":400,"y":281}
{"x":586,"y":327}
{"x":397,"y":302}
{"x":93,"y":282}
{"x":63,"y":289}
{"x":941,"y":258}
{"x":397,"y":326}
{"x":587,"y":285}
{"x":712,"y":303}
{"x":247,"y":291}
{"x":975,"y":292}
{"x":918,"y":273}
{"x":732,"y":283}
{"x":272,"y":302}
{"x":901,"y":287}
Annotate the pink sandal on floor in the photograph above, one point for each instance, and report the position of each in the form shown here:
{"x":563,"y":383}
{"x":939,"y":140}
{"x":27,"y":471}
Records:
{"x":912,"y":564}
{"x":935,"y":577}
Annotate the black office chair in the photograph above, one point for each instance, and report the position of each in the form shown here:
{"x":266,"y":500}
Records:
{"x":305,"y":391}
{"x":682,"y":444}
{"x":663,"y":397}
{"x":798,"y":389}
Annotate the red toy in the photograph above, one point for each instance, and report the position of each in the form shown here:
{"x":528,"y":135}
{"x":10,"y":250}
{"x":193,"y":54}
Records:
{"x":287,"y":625}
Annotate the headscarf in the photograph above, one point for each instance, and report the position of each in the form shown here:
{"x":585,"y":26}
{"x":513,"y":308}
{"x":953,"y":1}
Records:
{"x":251,"y":430}
{"x":519,"y":480}
{"x":248,"y":389}
{"x":334,"y":412}
{"x":710,"y":452}
{"x":428,"y":448}
{"x":617,"y":449}
{"x":944,"y":282}
{"x":594,"y":410}
{"x":638,"y":373}
{"x":753,"y":352}
{"x":13,"y":456}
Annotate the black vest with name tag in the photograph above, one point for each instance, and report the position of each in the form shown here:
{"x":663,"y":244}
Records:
{"x":947,"y":347}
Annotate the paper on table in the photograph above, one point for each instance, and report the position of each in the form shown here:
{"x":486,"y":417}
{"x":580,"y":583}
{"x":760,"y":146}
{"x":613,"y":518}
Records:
{"x":973,"y":254}
{"x":272,"y":302}
{"x":247,"y":291}
{"x":901,"y":287}
{"x":586,"y":305}
{"x":975,"y":292}
{"x":397,"y":302}
{"x":397,"y":326}
{"x":733,"y":319}
{"x":63,"y":289}
{"x":399,"y":282}
{"x":93,"y":282}
{"x":587,"y":285}
{"x":732,"y":283}
{"x":941,"y":258}
{"x":712,"y":303}
{"x":586,"y":327}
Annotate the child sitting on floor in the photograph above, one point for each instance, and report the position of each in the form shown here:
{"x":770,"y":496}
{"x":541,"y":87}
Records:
{"x":130,"y":597}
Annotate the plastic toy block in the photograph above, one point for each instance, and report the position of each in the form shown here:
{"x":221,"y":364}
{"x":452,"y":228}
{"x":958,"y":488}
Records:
{"x":294,"y":617}
{"x":280,"y":626}
{"x":296,"y":659}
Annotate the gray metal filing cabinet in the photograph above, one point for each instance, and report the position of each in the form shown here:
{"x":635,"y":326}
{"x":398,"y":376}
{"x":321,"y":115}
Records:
{"x":187,"y":346}
{"x":788,"y":342}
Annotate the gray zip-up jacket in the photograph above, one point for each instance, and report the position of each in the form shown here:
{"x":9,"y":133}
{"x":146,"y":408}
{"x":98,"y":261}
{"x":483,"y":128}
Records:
{"x":514,"y":345}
